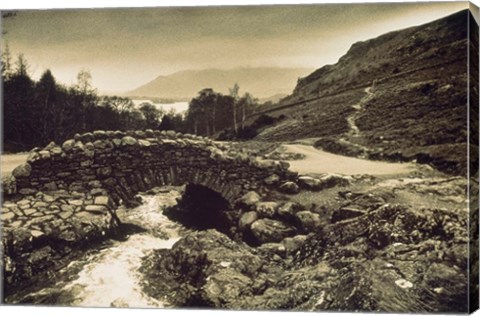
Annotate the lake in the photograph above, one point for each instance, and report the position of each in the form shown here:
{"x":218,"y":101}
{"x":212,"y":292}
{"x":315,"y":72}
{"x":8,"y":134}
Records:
{"x":179,"y":107}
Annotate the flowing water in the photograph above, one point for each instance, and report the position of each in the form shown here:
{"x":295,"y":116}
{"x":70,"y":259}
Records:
{"x":109,"y":276}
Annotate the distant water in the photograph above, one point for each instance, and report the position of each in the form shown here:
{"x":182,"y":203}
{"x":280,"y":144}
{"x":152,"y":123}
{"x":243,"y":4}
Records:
{"x":179,"y":107}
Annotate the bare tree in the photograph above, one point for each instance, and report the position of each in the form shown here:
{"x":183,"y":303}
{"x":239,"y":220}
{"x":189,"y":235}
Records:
{"x":234,"y":95}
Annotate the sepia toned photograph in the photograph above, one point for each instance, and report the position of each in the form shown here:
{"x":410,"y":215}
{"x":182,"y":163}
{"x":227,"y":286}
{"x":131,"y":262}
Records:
{"x":288,"y":157}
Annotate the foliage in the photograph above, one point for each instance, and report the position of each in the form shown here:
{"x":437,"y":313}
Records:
{"x":36,"y":113}
{"x":210,"y":111}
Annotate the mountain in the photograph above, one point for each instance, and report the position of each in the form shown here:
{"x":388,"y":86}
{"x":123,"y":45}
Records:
{"x":400,"y":96}
{"x":260,"y":82}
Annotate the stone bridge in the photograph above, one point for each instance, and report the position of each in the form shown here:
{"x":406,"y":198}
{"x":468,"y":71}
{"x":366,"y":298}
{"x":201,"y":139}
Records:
{"x":121,"y":164}
{"x":64,"y":197}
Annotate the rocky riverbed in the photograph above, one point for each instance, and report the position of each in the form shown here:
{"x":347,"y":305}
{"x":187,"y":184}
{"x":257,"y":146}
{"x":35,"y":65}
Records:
{"x":366,"y":255}
{"x":323,"y":241}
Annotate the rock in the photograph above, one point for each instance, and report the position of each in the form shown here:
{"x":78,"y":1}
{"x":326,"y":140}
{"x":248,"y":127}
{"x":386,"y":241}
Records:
{"x":22,"y":171}
{"x":39,"y":204}
{"x":292,"y":244}
{"x":23,"y":203}
{"x":7,"y":216}
{"x":119,"y":303}
{"x":248,"y":200}
{"x":99,"y":135}
{"x":204,"y":264}
{"x":76,"y":202}
{"x":101,"y":200}
{"x":332,"y":180}
{"x":404,"y":284}
{"x":441,"y":275}
{"x":36,"y":233}
{"x":247,"y":219}
{"x":29,"y":211}
{"x":50,"y":186}
{"x":288,"y":210}
{"x":272,"y":180}
{"x":44,"y":154}
{"x":129,"y":141}
{"x":65,"y":214}
{"x":284,"y":165}
{"x":275,"y":248}
{"x":68,"y":145}
{"x":144,"y":143}
{"x":269,"y":230}
{"x":289,"y":187}
{"x":95,"y":208}
{"x":27,"y":191}
{"x":79,"y":146}
{"x":89,"y":151}
{"x":307,"y":221}
{"x":309,"y":183}
{"x":266,"y":209}
{"x":67,"y":208}
{"x":346,"y":213}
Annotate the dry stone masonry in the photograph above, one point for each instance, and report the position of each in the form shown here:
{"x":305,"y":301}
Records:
{"x":125,"y":163}
{"x":65,"y":196}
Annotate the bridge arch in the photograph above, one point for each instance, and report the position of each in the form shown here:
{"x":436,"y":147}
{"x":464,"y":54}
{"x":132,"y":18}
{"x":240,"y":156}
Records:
{"x":121,"y":164}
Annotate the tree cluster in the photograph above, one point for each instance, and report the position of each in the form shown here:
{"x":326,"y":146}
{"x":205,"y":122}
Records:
{"x":38,"y":112}
{"x":210,"y":112}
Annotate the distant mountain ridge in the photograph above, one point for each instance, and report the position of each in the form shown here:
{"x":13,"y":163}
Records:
{"x":261,"y":82}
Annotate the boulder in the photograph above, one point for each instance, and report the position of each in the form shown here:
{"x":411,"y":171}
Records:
{"x":266,"y":209}
{"x":248,"y":200}
{"x":292,"y":244}
{"x":289,"y":187}
{"x":288,"y":210}
{"x":22,"y":171}
{"x":269,"y":230}
{"x":129,"y":141}
{"x":272,"y":180}
{"x":309,"y":183}
{"x":206,"y":265}
{"x":273,"y":248}
{"x":68,"y":145}
{"x":307,"y":221}
{"x":247,"y":219}
{"x":332,"y":180}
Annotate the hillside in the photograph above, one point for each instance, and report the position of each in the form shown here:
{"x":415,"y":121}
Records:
{"x":258,"y":81}
{"x":400,"y":96}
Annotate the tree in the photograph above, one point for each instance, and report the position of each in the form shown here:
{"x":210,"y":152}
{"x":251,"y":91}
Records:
{"x":6,"y":63}
{"x":234,"y":94}
{"x":45,"y":99}
{"x":120,"y":104}
{"x":87,"y":93}
{"x":246,"y":103}
{"x":151,"y":114}
{"x":18,"y":99}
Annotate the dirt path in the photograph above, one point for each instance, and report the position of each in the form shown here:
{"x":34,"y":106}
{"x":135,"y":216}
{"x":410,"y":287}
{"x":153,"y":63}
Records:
{"x":318,"y":161}
{"x":10,"y":162}
{"x":354,"y":130}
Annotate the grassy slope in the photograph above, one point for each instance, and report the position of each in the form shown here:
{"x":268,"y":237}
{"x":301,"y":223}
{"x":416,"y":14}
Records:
{"x":418,"y":110}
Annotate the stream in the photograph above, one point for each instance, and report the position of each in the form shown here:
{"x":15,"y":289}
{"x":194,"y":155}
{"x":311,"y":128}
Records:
{"x":108,"y":276}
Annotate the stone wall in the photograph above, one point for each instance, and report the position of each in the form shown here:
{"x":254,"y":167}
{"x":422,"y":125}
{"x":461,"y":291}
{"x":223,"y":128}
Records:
{"x":121,"y":164}
{"x":64,"y":197}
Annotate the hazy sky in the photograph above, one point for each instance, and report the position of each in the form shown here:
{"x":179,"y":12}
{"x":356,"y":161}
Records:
{"x":125,"y":48}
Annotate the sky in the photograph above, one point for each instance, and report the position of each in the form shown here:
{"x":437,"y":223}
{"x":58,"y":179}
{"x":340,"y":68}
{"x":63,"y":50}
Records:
{"x":125,"y":48}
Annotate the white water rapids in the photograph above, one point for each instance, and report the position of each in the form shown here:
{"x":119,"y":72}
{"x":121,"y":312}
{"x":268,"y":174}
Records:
{"x":110,"y":277}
